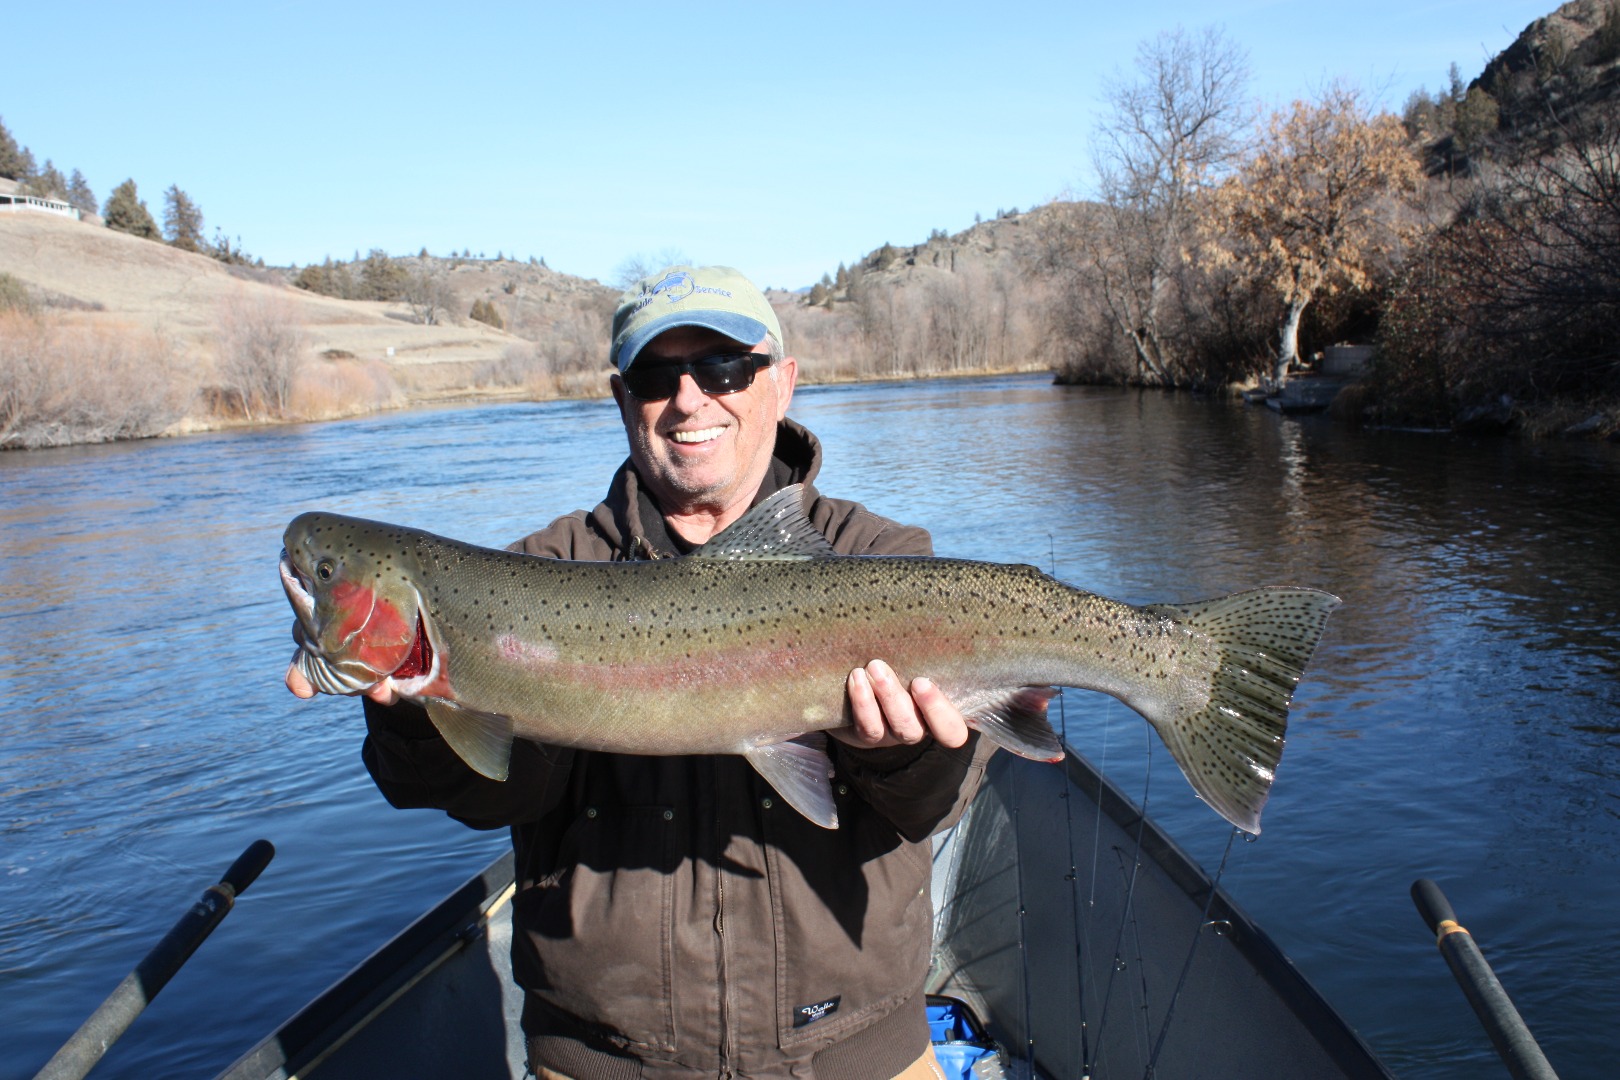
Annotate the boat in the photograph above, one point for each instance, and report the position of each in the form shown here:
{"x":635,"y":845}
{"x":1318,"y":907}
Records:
{"x":1154,"y":971}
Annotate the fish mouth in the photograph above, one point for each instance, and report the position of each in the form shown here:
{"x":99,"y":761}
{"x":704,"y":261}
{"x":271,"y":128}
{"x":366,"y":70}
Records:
{"x":299,"y":589}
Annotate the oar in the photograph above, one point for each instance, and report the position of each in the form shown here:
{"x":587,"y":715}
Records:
{"x":1507,"y":1029}
{"x":81,"y":1052}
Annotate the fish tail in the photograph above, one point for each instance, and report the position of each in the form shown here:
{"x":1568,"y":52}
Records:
{"x":1228,"y":746}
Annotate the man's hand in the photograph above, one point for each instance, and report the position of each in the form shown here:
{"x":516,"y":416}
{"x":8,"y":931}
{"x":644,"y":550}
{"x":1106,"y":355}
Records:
{"x":382,"y":693}
{"x":888,"y":713}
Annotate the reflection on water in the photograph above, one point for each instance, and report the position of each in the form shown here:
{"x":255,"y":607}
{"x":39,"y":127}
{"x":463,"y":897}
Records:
{"x":1462,"y":720}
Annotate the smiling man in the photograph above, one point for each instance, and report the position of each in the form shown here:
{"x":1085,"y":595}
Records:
{"x":672,"y":920}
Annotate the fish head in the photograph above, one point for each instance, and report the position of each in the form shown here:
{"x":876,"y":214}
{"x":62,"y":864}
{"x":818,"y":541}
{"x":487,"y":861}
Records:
{"x":359,"y":614}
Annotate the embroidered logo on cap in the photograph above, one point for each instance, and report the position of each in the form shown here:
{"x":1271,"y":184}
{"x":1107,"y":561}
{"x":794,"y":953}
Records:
{"x":809,"y":1014}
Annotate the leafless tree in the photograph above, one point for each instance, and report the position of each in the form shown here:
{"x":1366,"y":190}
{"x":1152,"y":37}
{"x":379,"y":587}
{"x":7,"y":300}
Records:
{"x":1173,"y":126}
{"x":260,"y":350}
{"x":428,"y":294}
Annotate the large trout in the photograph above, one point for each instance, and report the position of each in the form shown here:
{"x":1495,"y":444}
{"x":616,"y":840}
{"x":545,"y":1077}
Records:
{"x":744,"y":648}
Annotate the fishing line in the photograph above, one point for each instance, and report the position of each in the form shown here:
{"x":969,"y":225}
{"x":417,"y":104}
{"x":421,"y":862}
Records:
{"x":1023,"y":922}
{"x":1074,"y":888}
{"x":1186,"y":966}
{"x":1074,"y":871}
{"x":1127,"y":916}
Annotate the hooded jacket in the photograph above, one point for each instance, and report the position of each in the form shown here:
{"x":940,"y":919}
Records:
{"x":673,"y":916}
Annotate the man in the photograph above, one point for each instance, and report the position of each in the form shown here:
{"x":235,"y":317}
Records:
{"x":673,"y":918}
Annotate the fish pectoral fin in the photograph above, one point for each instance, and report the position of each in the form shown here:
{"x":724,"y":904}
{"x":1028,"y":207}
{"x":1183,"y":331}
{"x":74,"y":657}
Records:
{"x":801,"y":772}
{"x":775,"y":529}
{"x":482,"y":740}
{"x":1015,"y":720}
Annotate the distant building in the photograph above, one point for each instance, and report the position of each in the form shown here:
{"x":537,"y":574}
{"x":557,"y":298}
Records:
{"x":16,"y":202}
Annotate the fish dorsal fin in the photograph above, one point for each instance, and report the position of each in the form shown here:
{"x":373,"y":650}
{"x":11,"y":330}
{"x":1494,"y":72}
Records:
{"x":775,"y":529}
{"x":482,"y":740}
{"x":801,"y":772}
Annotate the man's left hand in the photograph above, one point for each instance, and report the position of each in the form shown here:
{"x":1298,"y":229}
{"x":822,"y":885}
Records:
{"x":887,"y":712}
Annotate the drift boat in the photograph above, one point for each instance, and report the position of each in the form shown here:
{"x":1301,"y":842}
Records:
{"x":1152,"y":971}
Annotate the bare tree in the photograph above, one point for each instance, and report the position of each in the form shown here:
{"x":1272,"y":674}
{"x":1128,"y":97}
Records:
{"x":428,"y":294}
{"x":260,"y":351}
{"x":635,"y":267}
{"x":1172,"y":128}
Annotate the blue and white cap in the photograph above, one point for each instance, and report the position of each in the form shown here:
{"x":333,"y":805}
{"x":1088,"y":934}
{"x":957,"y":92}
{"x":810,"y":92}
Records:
{"x":716,"y":297}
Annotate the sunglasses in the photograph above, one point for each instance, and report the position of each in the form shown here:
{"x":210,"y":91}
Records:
{"x":724,"y":374}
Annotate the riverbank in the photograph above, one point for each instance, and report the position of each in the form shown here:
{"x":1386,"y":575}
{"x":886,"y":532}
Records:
{"x":435,"y":394}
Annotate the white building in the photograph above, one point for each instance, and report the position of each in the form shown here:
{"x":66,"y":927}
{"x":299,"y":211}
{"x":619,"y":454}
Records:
{"x":16,"y":202}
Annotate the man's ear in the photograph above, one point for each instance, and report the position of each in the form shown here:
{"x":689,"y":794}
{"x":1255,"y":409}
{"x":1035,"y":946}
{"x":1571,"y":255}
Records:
{"x":616,"y":384}
{"x":787,"y":377}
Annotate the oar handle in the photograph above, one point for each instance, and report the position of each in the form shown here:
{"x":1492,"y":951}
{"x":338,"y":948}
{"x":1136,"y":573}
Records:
{"x":112,"y":1018}
{"x":1509,"y":1034}
{"x":1432,"y":904}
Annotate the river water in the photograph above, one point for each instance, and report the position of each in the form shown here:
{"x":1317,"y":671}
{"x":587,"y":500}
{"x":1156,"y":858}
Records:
{"x":1461,"y":721}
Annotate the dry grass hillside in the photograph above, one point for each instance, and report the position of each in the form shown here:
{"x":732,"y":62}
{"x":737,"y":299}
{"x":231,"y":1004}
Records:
{"x":93,"y":275}
{"x":979,"y":300}
{"x":106,"y":335}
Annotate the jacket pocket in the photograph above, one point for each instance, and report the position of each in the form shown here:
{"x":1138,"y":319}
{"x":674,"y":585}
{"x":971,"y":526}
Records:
{"x":852,"y":922}
{"x":599,"y":926}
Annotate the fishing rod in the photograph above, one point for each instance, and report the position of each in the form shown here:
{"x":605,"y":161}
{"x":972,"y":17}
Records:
{"x":112,"y":1018}
{"x":1507,"y":1029}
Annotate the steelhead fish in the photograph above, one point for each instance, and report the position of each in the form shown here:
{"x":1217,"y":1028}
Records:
{"x":744,"y":648}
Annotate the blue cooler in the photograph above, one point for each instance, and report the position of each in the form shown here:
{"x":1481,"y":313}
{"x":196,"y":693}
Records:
{"x":964,"y":1051}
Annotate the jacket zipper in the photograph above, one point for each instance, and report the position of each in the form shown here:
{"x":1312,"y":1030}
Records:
{"x":720,"y":934}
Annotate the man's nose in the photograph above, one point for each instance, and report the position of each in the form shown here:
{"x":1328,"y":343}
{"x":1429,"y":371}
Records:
{"x":688,"y":398}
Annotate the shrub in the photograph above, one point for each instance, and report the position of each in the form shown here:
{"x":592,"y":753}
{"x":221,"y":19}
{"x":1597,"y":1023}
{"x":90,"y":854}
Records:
{"x":485,"y":312}
{"x":260,"y":349}
{"x":63,"y":383}
{"x":14,"y":295}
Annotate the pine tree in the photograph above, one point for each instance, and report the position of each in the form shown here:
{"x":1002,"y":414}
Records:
{"x":182,"y":220}
{"x":48,"y":183}
{"x":79,"y":194}
{"x":10,"y":153}
{"x":127,"y":213}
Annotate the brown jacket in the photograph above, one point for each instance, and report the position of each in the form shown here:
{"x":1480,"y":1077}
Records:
{"x":674,"y":918}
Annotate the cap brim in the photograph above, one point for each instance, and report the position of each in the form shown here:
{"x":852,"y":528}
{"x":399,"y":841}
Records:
{"x":739,"y":328}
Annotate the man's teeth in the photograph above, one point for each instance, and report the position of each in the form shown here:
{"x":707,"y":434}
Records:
{"x":703,"y":435}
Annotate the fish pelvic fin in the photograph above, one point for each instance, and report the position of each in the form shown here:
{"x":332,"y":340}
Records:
{"x":482,"y":740}
{"x":1229,"y":747}
{"x":1016,"y":721}
{"x":775,"y":529}
{"x":801,"y":772}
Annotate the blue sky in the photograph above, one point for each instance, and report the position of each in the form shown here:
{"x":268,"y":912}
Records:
{"x":780,"y":138}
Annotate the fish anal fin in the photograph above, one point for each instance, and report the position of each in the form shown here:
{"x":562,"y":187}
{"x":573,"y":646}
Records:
{"x":801,"y":772}
{"x":482,"y":740}
{"x":1015,"y":719}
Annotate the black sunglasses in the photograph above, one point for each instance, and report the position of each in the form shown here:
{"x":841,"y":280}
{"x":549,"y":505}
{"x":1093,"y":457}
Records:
{"x":723,"y":374}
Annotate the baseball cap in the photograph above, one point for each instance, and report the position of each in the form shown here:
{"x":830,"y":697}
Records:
{"x":716,"y":297}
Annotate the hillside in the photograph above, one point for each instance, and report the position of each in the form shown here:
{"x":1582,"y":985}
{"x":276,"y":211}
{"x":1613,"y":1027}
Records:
{"x":92,"y":275}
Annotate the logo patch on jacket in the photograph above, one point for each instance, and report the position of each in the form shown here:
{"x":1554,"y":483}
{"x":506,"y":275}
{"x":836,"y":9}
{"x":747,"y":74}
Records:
{"x":809,"y":1014}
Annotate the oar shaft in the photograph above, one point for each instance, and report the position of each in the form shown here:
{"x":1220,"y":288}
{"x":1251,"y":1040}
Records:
{"x":112,"y":1018}
{"x":1507,"y":1030}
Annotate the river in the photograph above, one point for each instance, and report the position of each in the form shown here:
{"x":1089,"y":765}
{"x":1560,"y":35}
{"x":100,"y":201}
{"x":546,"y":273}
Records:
{"x":1461,"y":721}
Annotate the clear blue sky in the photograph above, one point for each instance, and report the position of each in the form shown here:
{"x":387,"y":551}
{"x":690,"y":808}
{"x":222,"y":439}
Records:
{"x":780,"y":138}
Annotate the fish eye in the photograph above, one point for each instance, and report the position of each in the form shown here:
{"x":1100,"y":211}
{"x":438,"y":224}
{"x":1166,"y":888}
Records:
{"x":324,"y":569}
